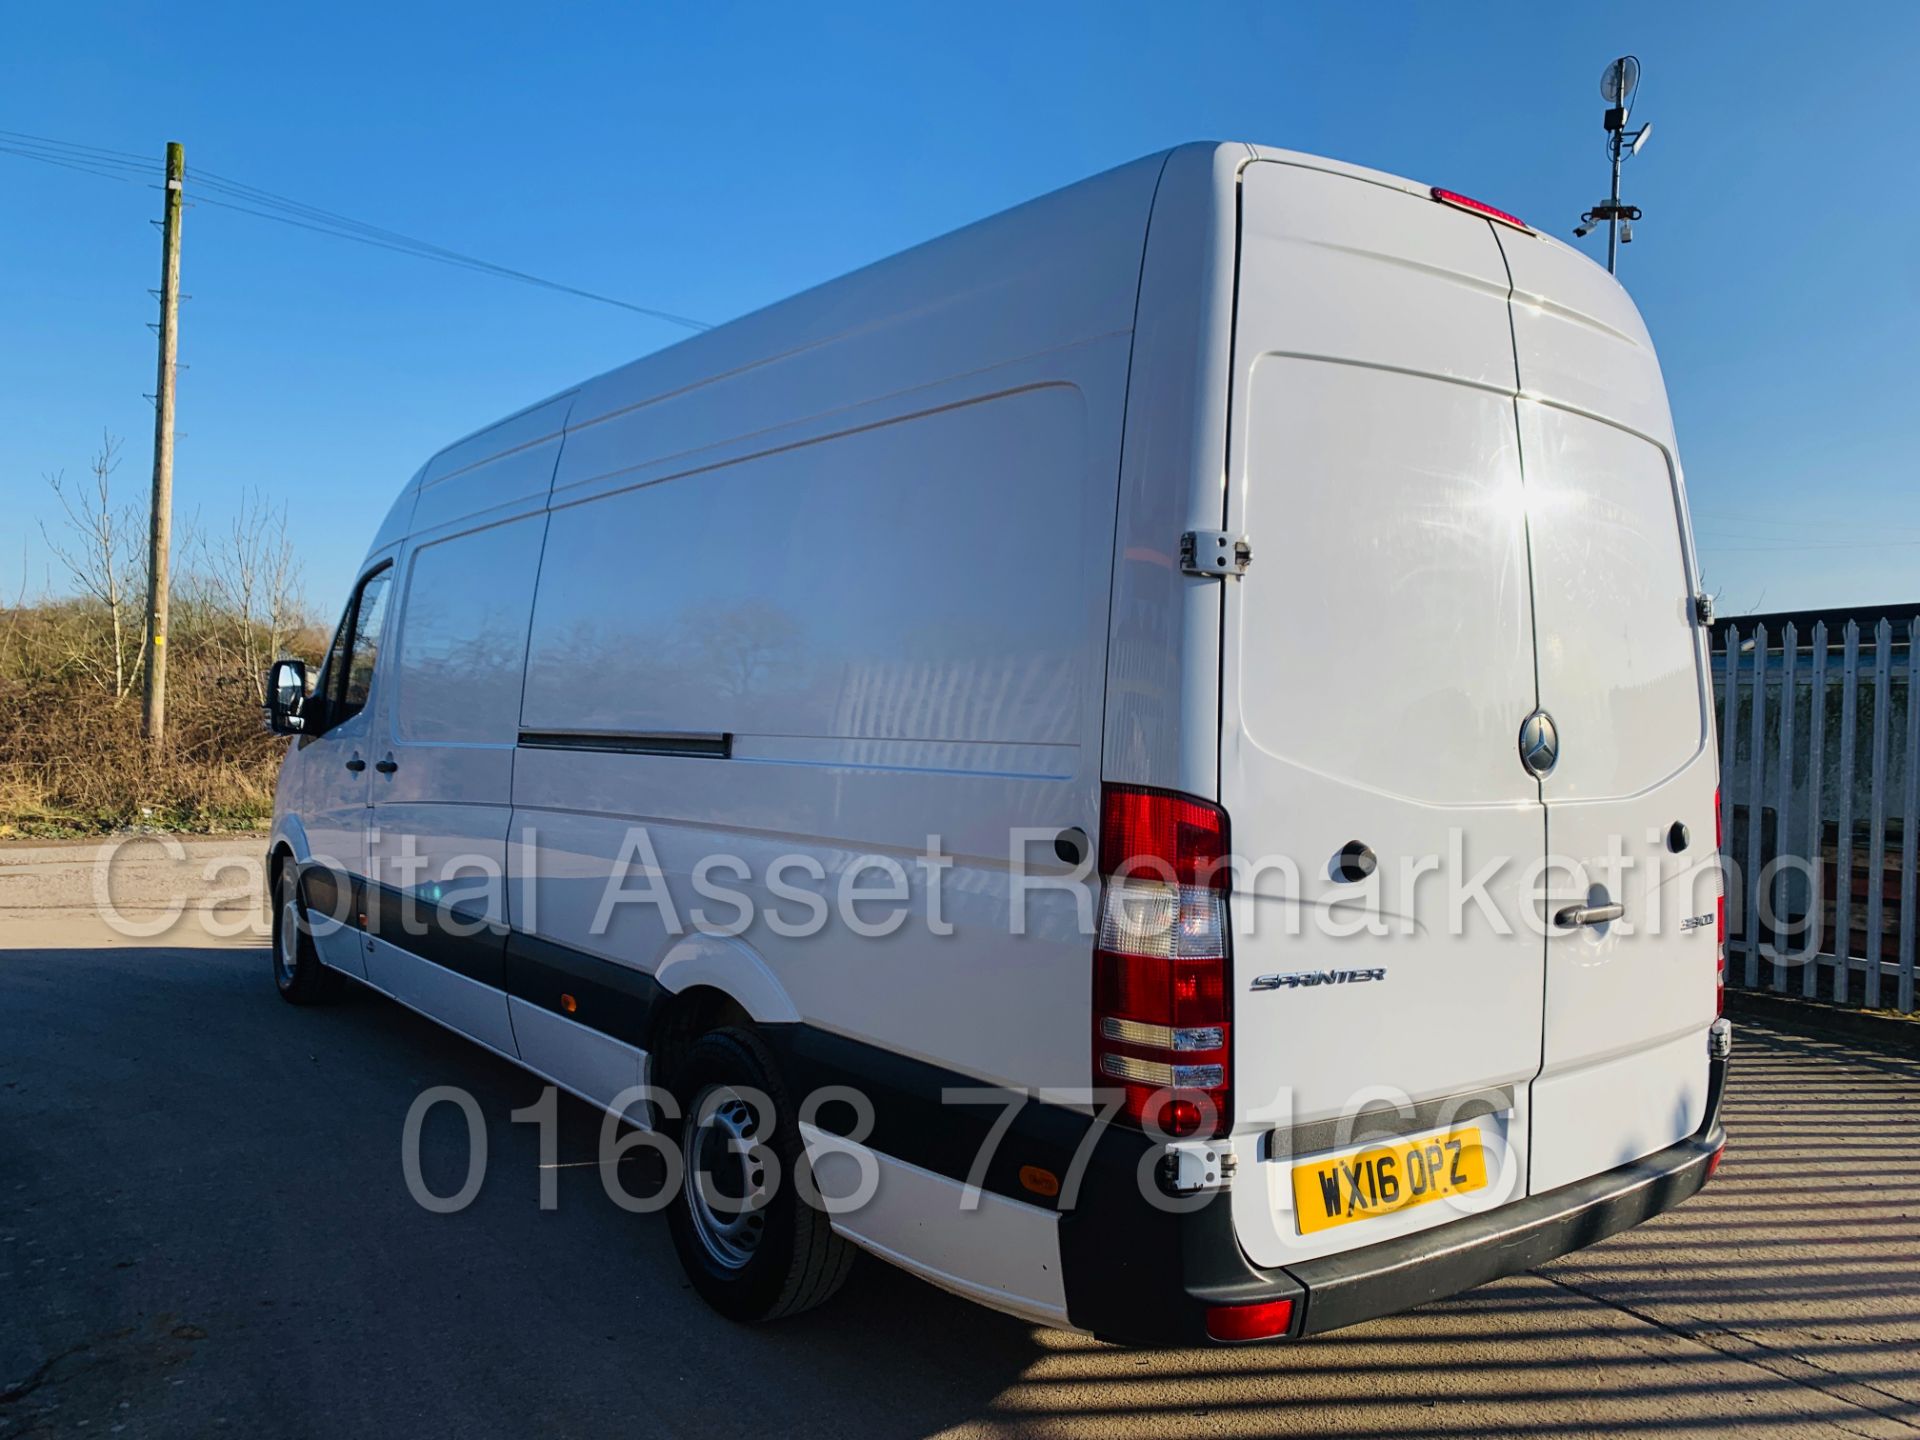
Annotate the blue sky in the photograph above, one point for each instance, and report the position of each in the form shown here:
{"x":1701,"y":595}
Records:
{"x":708,"y":159}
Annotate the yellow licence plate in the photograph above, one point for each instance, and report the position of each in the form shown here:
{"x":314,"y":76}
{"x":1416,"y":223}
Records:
{"x":1388,"y":1178}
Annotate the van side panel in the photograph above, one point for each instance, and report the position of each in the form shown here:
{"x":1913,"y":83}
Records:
{"x":508,"y":462}
{"x":592,"y":1065}
{"x":475,"y":1008}
{"x":900,"y":632}
{"x":1055,"y":272}
{"x":1163,"y":668}
{"x":991,"y":1249}
{"x":858,"y":544}
{"x":398,"y":521}
{"x":795,"y":596}
{"x":449,"y":718}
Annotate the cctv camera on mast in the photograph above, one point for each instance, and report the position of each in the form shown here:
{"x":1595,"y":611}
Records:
{"x":1619,"y":83}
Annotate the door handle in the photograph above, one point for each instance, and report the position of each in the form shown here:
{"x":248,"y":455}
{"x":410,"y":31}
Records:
{"x":1576,"y":915}
{"x":387,"y":766}
{"x":356,"y":764}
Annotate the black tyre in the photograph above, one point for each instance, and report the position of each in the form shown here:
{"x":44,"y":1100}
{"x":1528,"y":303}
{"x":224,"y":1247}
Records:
{"x":297,"y":972}
{"x":754,"y":1249}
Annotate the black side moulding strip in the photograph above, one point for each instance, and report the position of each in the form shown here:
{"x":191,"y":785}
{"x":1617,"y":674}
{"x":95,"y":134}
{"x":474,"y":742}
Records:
{"x":709,"y":747}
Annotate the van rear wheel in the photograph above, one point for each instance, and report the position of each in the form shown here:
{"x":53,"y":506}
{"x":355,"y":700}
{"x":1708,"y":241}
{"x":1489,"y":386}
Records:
{"x":297,"y":972}
{"x":753,"y":1248}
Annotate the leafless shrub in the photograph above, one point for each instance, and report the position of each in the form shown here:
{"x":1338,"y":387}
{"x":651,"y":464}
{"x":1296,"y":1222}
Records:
{"x":243,"y":588}
{"x":72,"y":758}
{"x":105,"y":558}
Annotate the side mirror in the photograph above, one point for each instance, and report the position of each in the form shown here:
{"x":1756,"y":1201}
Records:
{"x":287,"y":698}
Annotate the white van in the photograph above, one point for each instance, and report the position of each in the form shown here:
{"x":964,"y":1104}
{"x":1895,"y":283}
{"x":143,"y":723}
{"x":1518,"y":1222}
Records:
{"x":1162,"y":740}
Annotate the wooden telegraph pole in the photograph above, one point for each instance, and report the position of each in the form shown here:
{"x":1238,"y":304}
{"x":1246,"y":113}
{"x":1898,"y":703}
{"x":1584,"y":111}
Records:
{"x":160,"y":535}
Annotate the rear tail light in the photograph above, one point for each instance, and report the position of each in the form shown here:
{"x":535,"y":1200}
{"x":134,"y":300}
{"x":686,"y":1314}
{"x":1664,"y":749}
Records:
{"x":1233,"y":1323}
{"x":1478,"y":207}
{"x":1161,"y":1027}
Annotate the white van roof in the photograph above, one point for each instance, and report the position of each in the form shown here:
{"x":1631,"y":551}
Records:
{"x":1078,"y":248}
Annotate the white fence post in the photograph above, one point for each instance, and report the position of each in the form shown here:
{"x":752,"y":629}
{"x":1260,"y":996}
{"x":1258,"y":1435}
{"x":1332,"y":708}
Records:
{"x":1877,"y":807}
{"x":1868,"y":793}
{"x":1729,"y":703}
{"x":1843,"y":852}
{"x":1910,"y":821}
{"x":1756,"y":775}
{"x":1783,"y":795}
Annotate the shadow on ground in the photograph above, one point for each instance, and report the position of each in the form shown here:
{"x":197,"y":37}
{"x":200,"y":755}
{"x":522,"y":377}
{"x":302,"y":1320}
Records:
{"x":204,"y":1226}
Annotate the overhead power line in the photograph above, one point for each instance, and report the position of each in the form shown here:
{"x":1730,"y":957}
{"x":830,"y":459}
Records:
{"x":225,"y":193}
{"x":70,"y":161}
{"x":131,"y":156}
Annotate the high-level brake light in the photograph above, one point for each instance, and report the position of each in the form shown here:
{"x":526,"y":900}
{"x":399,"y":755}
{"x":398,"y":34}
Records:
{"x":1478,"y":207}
{"x":1161,"y":1024}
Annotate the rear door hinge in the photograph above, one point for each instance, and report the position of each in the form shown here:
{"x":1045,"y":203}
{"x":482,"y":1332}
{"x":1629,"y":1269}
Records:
{"x":1214,"y":553}
{"x":1703,"y":609}
{"x":1190,"y":1165}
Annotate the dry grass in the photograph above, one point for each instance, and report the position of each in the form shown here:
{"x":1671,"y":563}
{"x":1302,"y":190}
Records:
{"x":72,"y":758}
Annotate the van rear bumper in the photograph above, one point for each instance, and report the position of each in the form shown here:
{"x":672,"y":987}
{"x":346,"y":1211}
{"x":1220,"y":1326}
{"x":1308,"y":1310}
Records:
{"x":1398,"y":1274}
{"x":1394,"y":1275}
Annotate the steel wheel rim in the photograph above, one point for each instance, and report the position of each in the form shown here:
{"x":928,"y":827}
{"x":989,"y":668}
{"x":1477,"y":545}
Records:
{"x":286,"y":947}
{"x":726,"y":1179}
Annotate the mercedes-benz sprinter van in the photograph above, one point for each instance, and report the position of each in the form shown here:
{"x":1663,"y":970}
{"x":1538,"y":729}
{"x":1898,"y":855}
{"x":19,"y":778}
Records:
{"x":1147,"y":761}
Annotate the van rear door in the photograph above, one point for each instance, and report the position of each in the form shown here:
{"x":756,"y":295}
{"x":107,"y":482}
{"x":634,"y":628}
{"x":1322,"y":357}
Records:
{"x":1623,"y":672}
{"x":1378,"y":663}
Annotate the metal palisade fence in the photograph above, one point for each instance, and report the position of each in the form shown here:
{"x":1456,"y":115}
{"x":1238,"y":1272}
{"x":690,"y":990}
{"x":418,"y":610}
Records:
{"x":1820,"y":805}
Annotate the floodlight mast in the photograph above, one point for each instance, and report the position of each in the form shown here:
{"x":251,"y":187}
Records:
{"x":1618,"y":84}
{"x":1616,"y":121}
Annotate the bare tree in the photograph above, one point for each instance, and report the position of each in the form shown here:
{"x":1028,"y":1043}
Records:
{"x":249,"y":578}
{"x":103,"y":555}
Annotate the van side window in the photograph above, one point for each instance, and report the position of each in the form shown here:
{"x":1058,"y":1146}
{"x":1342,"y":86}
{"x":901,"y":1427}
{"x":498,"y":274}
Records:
{"x":336,"y":661}
{"x":347,"y":676}
{"x":363,"y":652}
